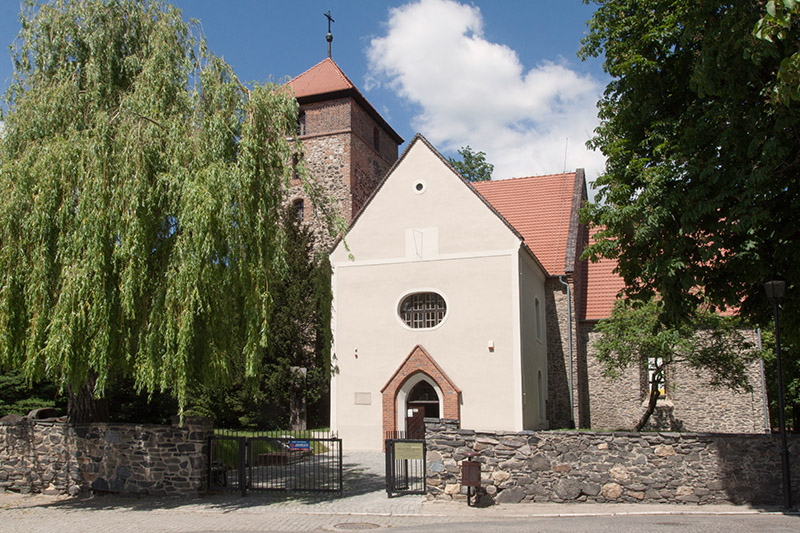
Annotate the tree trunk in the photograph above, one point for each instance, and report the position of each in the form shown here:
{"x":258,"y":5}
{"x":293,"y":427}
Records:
{"x":297,"y":412}
{"x":651,"y":407}
{"x":297,"y":400}
{"x":83,"y":408}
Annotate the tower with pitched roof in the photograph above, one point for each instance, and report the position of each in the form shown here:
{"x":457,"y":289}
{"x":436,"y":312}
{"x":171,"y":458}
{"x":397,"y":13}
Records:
{"x":347,"y":145}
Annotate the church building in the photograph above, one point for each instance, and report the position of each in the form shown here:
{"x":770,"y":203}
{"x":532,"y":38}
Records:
{"x":469,"y":301}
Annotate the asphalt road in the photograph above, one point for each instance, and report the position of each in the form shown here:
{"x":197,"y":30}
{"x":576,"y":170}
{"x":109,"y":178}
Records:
{"x":622,"y":524}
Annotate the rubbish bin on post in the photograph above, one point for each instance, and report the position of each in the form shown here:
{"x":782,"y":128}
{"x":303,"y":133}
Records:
{"x":470,"y":475}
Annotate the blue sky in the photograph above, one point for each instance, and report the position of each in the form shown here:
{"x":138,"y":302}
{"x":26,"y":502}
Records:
{"x":499,"y":75}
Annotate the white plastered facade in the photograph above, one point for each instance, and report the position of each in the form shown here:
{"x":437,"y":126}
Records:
{"x":427,"y":230}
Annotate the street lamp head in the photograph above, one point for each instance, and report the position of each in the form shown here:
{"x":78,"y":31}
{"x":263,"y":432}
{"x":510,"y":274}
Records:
{"x":775,"y":289}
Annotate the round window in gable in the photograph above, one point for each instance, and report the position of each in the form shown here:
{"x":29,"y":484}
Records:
{"x":419,"y":187}
{"x":422,"y":310}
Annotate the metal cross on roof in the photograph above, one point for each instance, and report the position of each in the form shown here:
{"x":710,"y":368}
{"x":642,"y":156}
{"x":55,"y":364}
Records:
{"x":329,"y":37}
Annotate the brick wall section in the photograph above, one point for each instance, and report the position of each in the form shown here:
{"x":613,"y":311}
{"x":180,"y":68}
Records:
{"x":323,"y":118}
{"x":691,"y":403}
{"x":580,"y":466}
{"x":418,"y":361}
{"x":368,"y":169}
{"x":128,"y":459}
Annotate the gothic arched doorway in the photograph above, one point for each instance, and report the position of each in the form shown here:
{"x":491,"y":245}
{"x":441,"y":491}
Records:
{"x":436,"y":397}
{"x":421,"y":402}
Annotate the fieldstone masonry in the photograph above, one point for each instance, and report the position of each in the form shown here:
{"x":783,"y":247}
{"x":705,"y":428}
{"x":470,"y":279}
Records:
{"x":579,"y":466}
{"x":720,"y":409}
{"x":558,"y":325}
{"x":55,"y":457}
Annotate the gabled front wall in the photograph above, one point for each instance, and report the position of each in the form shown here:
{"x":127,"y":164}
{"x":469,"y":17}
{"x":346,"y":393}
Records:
{"x":442,"y":239}
{"x":372,"y":342}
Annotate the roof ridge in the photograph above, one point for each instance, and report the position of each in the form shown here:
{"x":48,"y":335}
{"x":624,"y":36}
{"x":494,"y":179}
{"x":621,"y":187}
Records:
{"x":518,"y":178}
{"x":306,"y":71}
{"x":341,"y":73}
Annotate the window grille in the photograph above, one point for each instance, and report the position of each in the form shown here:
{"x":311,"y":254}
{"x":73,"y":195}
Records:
{"x":652,"y":364}
{"x":423,"y":310}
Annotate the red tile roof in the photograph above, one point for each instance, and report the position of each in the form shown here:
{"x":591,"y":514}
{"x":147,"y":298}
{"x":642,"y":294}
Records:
{"x":540,"y":208}
{"x":324,"y":77}
{"x":602,"y":286}
{"x":326,"y":80}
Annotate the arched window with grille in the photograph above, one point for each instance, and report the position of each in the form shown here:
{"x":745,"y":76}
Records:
{"x":299,"y":209}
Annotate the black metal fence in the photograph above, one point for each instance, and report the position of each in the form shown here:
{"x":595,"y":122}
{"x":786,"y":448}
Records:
{"x":275,"y":460}
{"x":406,"y":470}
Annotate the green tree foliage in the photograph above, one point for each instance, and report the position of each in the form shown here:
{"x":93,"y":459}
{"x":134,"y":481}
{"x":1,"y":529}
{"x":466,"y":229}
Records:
{"x":699,"y":199}
{"x":298,"y":360}
{"x":19,"y":397}
{"x":301,"y":339}
{"x":473,"y":166}
{"x":634,"y":336}
{"x":779,"y":23}
{"x":140,"y":195}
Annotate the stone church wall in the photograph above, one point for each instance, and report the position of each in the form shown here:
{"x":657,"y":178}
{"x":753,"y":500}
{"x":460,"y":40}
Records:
{"x":584,"y":466}
{"x":557,"y":319}
{"x":60,"y":458}
{"x":326,"y":158}
{"x":691,"y":403}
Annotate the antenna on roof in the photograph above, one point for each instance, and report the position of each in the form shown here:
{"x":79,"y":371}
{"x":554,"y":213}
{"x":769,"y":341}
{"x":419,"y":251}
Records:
{"x":329,"y":37}
{"x":566,"y":145}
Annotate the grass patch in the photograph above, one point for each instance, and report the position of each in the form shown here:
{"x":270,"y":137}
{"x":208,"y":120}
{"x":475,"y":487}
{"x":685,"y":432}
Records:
{"x":270,"y":447}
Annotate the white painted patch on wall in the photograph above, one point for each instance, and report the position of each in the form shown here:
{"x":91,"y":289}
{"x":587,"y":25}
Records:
{"x":363,"y":398}
{"x":422,"y":243}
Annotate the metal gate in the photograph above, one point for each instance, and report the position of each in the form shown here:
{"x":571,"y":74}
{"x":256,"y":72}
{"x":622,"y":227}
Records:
{"x":406,"y":470}
{"x":266,"y":461}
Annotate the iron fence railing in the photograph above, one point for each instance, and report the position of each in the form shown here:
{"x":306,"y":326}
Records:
{"x":275,"y":460}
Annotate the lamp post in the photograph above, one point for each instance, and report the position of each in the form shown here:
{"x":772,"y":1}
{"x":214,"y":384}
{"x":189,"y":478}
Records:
{"x":775,"y":289}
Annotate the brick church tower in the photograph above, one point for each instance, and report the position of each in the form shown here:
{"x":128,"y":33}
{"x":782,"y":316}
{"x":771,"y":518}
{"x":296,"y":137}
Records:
{"x":348,"y":147}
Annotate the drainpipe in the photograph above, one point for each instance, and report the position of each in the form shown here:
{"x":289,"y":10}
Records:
{"x":767,"y":428}
{"x":569,"y":315}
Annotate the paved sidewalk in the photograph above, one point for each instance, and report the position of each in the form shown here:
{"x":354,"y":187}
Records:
{"x":363,"y":505}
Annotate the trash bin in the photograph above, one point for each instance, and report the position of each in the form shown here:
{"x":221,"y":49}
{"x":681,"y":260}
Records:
{"x":470,"y":475}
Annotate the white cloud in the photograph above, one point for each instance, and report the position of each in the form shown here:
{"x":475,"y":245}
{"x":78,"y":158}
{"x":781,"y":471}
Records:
{"x":470,"y":91}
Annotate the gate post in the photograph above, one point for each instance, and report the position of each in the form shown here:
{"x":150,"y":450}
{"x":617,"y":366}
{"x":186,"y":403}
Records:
{"x":242,"y":464}
{"x":389,"y":455}
{"x":341,"y":478}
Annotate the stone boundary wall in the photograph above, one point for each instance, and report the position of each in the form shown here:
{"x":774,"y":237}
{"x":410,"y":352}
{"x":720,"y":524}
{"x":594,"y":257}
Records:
{"x":58,"y":458}
{"x":580,"y":466}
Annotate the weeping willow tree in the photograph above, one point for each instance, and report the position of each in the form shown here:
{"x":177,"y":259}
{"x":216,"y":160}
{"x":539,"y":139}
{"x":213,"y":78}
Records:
{"x":140,"y":202}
